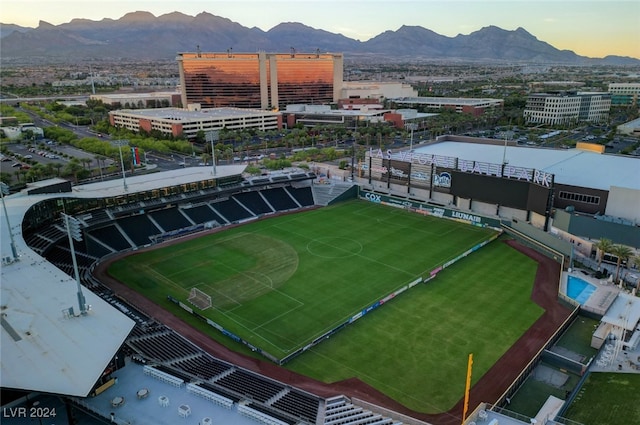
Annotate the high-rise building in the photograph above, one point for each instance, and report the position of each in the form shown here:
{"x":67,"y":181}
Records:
{"x":260,"y":80}
{"x":567,"y":108}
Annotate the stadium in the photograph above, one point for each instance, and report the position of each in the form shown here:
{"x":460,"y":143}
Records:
{"x":229,"y":294}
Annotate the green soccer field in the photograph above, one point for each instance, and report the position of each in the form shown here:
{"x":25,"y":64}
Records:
{"x":415,"y":348}
{"x":282,"y":282}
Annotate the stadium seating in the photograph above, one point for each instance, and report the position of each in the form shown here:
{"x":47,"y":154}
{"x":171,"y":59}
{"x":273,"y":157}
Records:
{"x":266,"y":418}
{"x":252,"y":386}
{"x":300,"y":404}
{"x":203,"y":367}
{"x":280,"y":199}
{"x":254,"y":202}
{"x":303,"y":195}
{"x":203,"y":214}
{"x":169,"y":219}
{"x":139,"y":228}
{"x":111,"y":237}
{"x":340,"y":411}
{"x":231,"y":210}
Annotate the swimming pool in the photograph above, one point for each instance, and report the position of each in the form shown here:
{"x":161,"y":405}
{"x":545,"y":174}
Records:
{"x":579,"y":289}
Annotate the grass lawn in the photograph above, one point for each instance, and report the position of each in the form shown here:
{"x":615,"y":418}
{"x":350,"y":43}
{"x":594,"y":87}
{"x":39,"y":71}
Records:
{"x":578,"y":337}
{"x":415,"y":349}
{"x":280,"y":283}
{"x":607,"y":398}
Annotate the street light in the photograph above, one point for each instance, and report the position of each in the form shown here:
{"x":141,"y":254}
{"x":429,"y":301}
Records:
{"x":119,"y":143}
{"x":4,"y":190}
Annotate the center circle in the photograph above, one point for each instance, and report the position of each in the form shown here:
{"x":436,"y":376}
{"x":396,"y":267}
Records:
{"x":334,"y":247}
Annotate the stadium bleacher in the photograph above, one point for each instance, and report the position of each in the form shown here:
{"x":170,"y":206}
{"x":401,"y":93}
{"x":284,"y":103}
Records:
{"x":110,"y":236}
{"x":138,"y":228}
{"x":231,"y":210}
{"x":299,"y":404}
{"x":303,"y":195}
{"x":279,"y":199}
{"x":249,"y":385}
{"x":169,"y":219}
{"x":254,"y":202}
{"x":203,"y":214}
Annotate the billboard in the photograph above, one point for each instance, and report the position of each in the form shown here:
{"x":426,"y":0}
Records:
{"x":519,"y":194}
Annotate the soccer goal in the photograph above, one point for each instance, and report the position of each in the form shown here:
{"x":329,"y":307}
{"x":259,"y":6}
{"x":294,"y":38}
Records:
{"x":199,"y":299}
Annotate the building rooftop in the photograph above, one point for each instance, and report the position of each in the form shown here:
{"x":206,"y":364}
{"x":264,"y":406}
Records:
{"x":177,"y":114}
{"x":624,"y":312}
{"x":447,"y":100}
{"x":570,"y":166}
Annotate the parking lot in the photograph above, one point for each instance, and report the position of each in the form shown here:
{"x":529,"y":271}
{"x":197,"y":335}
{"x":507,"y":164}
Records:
{"x":21,"y":156}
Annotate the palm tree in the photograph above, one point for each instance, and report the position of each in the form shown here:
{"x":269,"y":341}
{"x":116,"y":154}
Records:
{"x":73,"y":167}
{"x":49,"y":169}
{"x":603,"y":246}
{"x":58,"y":166}
{"x":21,"y":175}
{"x":100,"y":160}
{"x":623,"y":253}
{"x":86,"y":162}
{"x":6,"y":178}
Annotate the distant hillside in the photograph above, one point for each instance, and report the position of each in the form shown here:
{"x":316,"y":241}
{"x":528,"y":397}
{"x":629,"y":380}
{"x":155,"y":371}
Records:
{"x":141,"y":35}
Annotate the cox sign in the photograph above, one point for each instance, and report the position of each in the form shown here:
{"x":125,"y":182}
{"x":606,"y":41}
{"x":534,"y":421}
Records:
{"x":373,"y":197}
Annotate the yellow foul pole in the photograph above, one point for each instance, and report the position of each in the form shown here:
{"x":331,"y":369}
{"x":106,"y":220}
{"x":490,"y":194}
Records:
{"x":467,"y":388}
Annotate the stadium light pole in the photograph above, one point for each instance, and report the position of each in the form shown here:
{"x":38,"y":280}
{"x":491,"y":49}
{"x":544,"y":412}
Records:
{"x":211,"y":136}
{"x":412,"y":127}
{"x":4,"y":190}
{"x":119,"y":143}
{"x":75,"y":233}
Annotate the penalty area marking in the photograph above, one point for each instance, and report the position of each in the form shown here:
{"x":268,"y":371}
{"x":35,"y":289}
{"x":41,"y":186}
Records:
{"x":318,"y":247}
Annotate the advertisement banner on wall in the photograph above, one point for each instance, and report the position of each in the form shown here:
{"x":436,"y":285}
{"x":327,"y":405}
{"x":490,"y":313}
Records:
{"x":427,"y":209}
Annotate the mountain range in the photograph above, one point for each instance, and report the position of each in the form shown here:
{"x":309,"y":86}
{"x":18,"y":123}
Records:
{"x":143,"y":36}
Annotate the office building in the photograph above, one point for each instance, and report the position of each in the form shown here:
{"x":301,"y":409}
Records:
{"x":379,"y":90}
{"x":187,"y":123}
{"x":260,"y":80}
{"x":139,"y":100}
{"x":473,"y":106}
{"x":625,"y":93}
{"x":567,"y":108}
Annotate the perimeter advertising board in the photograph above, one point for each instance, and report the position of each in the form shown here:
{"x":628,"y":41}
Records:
{"x":428,"y":209}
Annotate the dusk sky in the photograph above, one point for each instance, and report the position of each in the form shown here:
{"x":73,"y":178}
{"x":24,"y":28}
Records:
{"x":589,"y":28}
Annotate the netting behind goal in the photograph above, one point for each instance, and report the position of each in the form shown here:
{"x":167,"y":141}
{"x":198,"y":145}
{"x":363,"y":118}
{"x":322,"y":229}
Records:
{"x":199,"y":299}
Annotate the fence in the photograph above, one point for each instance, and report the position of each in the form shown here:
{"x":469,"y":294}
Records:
{"x":210,"y":395}
{"x":163,"y":376}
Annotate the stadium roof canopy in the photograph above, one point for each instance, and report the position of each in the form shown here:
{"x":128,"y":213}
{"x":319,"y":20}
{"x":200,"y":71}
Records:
{"x":43,"y":348}
{"x":572,"y":167}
